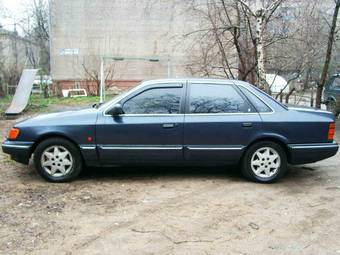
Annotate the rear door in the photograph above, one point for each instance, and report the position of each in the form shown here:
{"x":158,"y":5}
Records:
{"x":150,"y":130}
{"x":219,"y":123}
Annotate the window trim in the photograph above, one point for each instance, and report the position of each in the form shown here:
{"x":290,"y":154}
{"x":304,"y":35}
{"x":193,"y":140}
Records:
{"x":187,"y":105}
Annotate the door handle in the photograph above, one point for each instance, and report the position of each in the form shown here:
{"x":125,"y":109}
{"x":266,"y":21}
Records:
{"x":247,"y":124}
{"x":169,"y":125}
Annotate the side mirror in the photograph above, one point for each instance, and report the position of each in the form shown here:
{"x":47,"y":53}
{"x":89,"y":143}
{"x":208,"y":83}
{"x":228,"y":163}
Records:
{"x":116,"y":110}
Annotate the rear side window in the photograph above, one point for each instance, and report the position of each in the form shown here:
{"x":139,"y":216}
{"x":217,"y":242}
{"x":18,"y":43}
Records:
{"x":155,"y":101}
{"x":259,"y":105}
{"x":211,"y":98}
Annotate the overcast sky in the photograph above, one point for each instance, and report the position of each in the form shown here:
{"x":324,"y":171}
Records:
{"x":14,"y":10}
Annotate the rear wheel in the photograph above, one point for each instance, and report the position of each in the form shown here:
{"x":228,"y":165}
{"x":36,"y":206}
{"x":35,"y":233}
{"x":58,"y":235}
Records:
{"x":57,"y":160}
{"x":264,"y":162}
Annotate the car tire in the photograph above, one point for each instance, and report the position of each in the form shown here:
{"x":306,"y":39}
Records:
{"x":264,"y":162}
{"x":57,"y":160}
{"x":332,"y":107}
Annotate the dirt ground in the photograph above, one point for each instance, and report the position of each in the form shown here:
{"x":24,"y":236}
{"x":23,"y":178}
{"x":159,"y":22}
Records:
{"x":169,"y":211}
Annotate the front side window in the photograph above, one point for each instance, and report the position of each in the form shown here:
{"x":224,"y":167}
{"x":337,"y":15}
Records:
{"x":211,"y":98}
{"x":155,"y":101}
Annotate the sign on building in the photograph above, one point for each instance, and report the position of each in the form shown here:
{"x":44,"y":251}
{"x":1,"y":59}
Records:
{"x":68,"y":52}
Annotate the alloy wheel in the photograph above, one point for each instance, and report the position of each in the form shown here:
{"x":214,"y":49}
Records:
{"x":57,"y":161}
{"x":265,"y":162}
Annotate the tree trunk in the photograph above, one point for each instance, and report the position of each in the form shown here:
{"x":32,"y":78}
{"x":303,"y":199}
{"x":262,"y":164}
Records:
{"x":289,"y":94}
{"x":328,"y":56}
{"x":97,"y":87}
{"x":312,"y":97}
{"x":306,"y":81}
{"x":46,"y":95}
{"x":260,"y":50}
{"x":2,"y":93}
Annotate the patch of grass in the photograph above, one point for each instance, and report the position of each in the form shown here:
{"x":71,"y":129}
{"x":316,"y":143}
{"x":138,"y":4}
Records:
{"x":38,"y":103}
{"x":4,"y":103}
{"x":71,"y":101}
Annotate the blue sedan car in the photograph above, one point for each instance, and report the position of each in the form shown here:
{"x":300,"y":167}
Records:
{"x":177,"y":122}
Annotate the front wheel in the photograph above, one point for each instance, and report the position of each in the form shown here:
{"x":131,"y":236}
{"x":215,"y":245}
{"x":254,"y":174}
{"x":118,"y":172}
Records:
{"x":264,"y":162}
{"x":57,"y":160}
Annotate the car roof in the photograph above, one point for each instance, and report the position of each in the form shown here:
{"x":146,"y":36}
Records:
{"x":193,"y":80}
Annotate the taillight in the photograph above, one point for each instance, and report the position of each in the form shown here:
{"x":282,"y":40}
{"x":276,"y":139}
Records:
{"x":331,"y":131}
{"x":13,"y":133}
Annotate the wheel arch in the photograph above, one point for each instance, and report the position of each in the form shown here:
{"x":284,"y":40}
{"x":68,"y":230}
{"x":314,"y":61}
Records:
{"x":53,"y":135}
{"x":271,"y":138}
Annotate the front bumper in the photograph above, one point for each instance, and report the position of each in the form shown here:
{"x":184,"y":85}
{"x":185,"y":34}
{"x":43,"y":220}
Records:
{"x":19,"y":151}
{"x":311,"y":152}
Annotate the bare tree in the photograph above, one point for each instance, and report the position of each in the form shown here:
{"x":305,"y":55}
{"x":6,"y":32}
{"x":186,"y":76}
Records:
{"x":36,"y":29}
{"x":247,"y":39}
{"x":328,"y":54}
{"x":227,"y":27}
{"x":91,"y":69}
{"x":2,"y":93}
{"x":296,"y":47}
{"x":224,"y":47}
{"x":262,"y":13}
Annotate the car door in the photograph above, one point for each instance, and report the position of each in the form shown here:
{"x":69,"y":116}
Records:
{"x":150,"y":130}
{"x":219,"y":123}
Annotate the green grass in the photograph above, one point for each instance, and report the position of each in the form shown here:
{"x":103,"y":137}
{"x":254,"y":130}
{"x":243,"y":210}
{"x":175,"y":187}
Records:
{"x":4,"y":103}
{"x":38,"y":103}
{"x":70,"y":101}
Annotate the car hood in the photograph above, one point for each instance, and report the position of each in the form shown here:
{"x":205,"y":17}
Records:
{"x":81,"y":117}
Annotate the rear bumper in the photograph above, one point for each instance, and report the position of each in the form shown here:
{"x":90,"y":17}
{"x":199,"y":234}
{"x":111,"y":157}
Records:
{"x":311,"y":152}
{"x":19,"y":151}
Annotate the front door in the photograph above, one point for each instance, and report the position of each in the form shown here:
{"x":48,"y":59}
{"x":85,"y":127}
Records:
{"x":150,"y":130}
{"x":219,"y":123}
